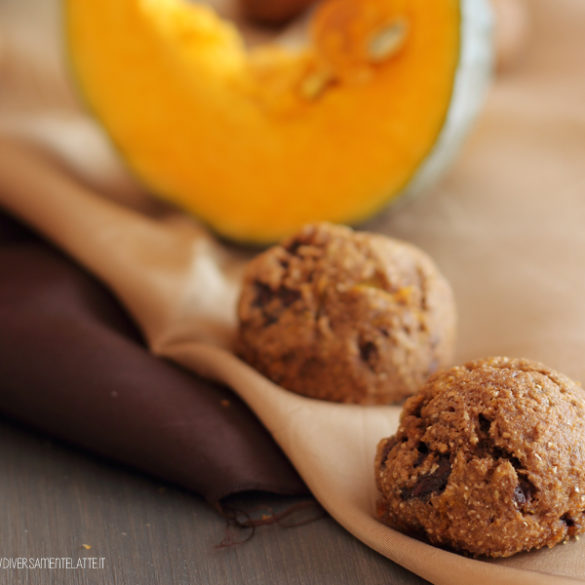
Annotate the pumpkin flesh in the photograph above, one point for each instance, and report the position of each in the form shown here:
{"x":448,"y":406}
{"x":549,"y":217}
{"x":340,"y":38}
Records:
{"x":257,"y":142}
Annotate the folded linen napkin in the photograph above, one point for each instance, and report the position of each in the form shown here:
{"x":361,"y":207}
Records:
{"x":73,"y":364}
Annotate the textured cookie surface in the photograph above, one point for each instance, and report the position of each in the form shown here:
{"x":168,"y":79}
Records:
{"x":489,"y":459}
{"x":346,"y":316}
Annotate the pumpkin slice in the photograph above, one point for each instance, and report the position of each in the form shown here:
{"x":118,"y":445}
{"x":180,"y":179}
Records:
{"x":258,"y":141}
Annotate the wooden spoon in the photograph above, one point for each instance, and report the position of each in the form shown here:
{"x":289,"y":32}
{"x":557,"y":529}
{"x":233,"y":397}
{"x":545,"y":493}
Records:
{"x":181,"y":287}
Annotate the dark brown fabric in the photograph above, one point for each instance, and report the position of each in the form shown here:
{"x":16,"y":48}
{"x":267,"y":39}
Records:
{"x":74,"y":365}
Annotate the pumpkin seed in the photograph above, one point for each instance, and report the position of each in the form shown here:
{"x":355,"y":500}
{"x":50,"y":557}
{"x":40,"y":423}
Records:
{"x":386,"y":41}
{"x":314,"y":84}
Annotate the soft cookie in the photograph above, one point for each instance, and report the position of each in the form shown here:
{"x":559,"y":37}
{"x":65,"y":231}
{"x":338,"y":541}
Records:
{"x":489,"y":459}
{"x":347,"y":316}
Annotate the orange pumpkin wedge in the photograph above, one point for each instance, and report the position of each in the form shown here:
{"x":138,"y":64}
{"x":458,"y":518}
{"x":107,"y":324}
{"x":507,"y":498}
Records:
{"x":258,"y":141}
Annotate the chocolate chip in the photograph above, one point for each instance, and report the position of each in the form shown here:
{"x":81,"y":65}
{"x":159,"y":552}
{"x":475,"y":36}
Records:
{"x":484,"y":424}
{"x":523,"y":492}
{"x":269,"y":318}
{"x":566,"y":519}
{"x":432,"y":483}
{"x":499,"y":453}
{"x":519,"y":495}
{"x":368,"y":350}
{"x":423,"y":451}
{"x":264,"y":297}
{"x":487,"y":447}
{"x":264,"y":294}
{"x":294,"y":246}
{"x":288,"y":296}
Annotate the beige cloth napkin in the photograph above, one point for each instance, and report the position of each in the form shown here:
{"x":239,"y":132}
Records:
{"x":505,"y":226}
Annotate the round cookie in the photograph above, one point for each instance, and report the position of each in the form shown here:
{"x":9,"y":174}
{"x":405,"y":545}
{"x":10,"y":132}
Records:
{"x":489,"y":459}
{"x":346,"y":316}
